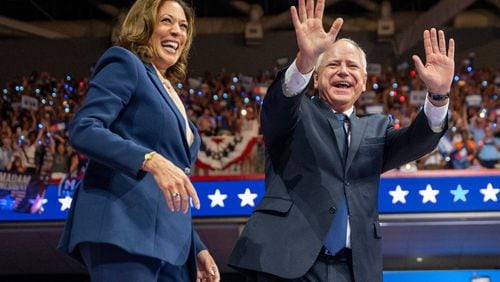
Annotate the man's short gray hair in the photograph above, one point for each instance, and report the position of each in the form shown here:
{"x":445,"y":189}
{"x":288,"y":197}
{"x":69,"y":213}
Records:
{"x":362,"y":53}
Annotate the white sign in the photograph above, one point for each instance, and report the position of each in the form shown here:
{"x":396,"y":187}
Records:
{"x":403,"y":66}
{"x":497,"y":79}
{"x":282,"y":61}
{"x":374,"y":109}
{"x":367,"y":97}
{"x":417,"y":97}
{"x":246,"y":81}
{"x":374,"y":69}
{"x":473,"y":100}
{"x":445,"y":145}
{"x":29,"y":103}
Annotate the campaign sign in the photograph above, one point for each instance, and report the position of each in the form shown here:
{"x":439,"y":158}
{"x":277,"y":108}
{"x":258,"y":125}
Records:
{"x":21,"y":193}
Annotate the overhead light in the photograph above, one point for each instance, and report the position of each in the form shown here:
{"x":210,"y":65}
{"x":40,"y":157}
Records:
{"x":254,"y":32}
{"x":385,"y":25}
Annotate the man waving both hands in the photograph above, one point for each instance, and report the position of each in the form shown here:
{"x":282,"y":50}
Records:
{"x":318,"y":220}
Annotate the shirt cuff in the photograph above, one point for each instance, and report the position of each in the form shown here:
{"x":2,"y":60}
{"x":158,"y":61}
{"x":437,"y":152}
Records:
{"x":295,"y":82}
{"x":435,"y":115}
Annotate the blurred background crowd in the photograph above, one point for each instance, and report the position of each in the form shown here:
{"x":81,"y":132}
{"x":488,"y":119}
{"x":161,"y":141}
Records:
{"x":35,"y":110}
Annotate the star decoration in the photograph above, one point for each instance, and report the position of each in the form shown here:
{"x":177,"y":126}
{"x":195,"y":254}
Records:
{"x":37,"y":204}
{"x":490,"y":193}
{"x":247,"y":198}
{"x":65,"y":203}
{"x":399,"y":195}
{"x":7,"y":203}
{"x":217,"y":199}
{"x":428,"y":195}
{"x":459,"y":194}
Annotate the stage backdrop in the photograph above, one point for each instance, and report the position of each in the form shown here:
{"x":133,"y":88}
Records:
{"x":25,"y":198}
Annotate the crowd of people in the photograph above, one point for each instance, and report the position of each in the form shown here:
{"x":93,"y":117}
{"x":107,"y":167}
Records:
{"x":473,"y":137}
{"x":35,"y":111}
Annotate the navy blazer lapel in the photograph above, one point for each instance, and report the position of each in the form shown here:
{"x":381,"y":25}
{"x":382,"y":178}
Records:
{"x":180,"y":118}
{"x":357,"y":131}
{"x":336,"y":126}
{"x":196,"y":141}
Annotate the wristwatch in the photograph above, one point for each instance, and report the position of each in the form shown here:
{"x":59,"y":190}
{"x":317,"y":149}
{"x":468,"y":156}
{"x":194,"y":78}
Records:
{"x":438,"y":97}
{"x":147,"y":157}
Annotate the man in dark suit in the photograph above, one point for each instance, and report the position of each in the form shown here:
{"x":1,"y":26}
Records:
{"x":319,"y":218}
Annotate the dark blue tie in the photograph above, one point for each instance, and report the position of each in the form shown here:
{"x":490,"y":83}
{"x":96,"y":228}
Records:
{"x":336,"y":236}
{"x":343,"y":141}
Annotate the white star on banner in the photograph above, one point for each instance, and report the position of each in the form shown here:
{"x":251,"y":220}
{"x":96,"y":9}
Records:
{"x":217,"y":199}
{"x":428,"y":194}
{"x":490,"y":193}
{"x":247,"y":198}
{"x":399,"y":195}
{"x":37,"y":204}
{"x":65,"y":203}
{"x":459,"y":193}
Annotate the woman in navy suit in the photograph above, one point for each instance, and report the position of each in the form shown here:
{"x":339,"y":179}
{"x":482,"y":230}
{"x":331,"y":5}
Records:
{"x":131,"y":217}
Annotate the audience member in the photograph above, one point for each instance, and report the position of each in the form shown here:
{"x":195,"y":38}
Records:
{"x":229,"y":104}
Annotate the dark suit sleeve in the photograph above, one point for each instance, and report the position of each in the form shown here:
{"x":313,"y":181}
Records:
{"x":279,"y":113}
{"x":112,"y":86}
{"x":410,"y":143}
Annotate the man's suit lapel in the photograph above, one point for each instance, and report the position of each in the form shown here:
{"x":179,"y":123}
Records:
{"x":337,"y":129}
{"x":357,"y":131}
{"x":180,"y":119}
{"x":357,"y":128}
{"x":335,"y":125}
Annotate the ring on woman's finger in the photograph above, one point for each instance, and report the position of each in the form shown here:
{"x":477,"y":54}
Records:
{"x":176,"y":194}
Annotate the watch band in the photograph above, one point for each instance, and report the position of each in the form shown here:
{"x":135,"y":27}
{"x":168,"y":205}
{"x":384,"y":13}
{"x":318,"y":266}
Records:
{"x":438,"y":97}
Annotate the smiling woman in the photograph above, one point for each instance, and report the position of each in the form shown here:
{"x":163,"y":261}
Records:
{"x":132,"y":208}
{"x":142,"y":25}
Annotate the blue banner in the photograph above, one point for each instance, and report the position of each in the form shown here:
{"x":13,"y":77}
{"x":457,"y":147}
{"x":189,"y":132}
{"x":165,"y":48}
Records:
{"x":439,"y":194}
{"x":229,"y":198}
{"x":477,"y":275}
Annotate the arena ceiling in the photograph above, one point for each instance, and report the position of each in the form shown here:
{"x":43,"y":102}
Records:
{"x":54,"y":10}
{"x":99,"y":18}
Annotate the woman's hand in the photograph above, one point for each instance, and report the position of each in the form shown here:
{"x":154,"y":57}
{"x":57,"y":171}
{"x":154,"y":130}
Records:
{"x":312,"y":39}
{"x":206,"y":269}
{"x":173,"y":182}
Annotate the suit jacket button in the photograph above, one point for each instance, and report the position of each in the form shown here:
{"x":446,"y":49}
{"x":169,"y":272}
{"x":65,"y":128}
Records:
{"x":332,"y":210}
{"x":187,"y":171}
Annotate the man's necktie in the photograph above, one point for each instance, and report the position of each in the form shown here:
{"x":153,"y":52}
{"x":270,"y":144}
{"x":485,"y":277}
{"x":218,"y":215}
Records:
{"x":343,"y":145}
{"x":336,"y":236}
